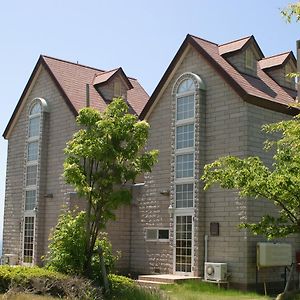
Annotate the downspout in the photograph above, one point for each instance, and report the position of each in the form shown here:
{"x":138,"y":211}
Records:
{"x":87,"y":91}
{"x":205,"y":247}
{"x":298,"y":69}
{"x":205,"y":253}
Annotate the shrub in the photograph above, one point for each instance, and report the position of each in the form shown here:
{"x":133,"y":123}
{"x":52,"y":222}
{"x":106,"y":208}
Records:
{"x":125,"y":288}
{"x":45,"y":282}
{"x":66,"y":249}
{"x":67,"y":252}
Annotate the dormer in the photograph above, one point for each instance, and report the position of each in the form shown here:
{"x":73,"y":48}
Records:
{"x":112,"y":84}
{"x":243,"y":54}
{"x":279,"y":66}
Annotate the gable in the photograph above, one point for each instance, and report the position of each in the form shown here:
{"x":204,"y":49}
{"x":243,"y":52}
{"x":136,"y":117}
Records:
{"x":261,"y":90}
{"x":71,"y":80}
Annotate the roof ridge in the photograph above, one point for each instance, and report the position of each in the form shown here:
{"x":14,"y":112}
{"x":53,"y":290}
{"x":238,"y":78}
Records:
{"x":115,"y":69}
{"x":199,"y":38}
{"x":73,"y":63}
{"x":243,"y":38}
{"x":105,"y":72}
{"x":274,"y":55}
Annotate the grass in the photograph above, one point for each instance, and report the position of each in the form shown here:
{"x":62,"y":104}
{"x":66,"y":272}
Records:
{"x":189,"y":290}
{"x":25,"y":297}
{"x":193,"y":290}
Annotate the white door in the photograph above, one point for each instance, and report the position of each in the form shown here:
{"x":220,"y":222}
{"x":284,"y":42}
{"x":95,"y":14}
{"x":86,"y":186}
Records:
{"x":183,"y":244}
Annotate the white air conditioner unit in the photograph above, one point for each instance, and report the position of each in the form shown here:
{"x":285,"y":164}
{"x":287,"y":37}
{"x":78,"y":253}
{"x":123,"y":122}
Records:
{"x":215,"y":271}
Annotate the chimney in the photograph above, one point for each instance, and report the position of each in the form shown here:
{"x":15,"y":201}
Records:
{"x":87,"y":90}
{"x":298,"y":70}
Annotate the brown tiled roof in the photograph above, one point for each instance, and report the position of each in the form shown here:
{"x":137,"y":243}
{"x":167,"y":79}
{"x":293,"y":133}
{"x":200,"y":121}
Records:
{"x":105,"y":77}
{"x":275,"y":60}
{"x":71,"y":79}
{"x":234,"y":45}
{"x":261,"y":90}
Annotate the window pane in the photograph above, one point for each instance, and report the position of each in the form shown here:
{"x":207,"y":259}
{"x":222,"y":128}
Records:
{"x":184,"y":195}
{"x":185,"y":136}
{"x":151,"y":234}
{"x":30,"y":200}
{"x":163,"y":234}
{"x":186,"y":86}
{"x":185,"y":107}
{"x":185,"y":165}
{"x":34,"y":127}
{"x":32,"y":151}
{"x":28,"y":239}
{"x":31,"y":173}
{"x":36,"y":109}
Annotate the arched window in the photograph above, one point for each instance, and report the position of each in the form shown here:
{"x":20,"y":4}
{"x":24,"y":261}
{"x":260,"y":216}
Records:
{"x":186,"y":97}
{"x":31,"y":188}
{"x":34,"y":120}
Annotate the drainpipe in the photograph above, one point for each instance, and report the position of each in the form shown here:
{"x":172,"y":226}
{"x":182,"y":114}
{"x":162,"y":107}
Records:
{"x":205,"y":247}
{"x":298,"y":69}
{"x":87,"y":90}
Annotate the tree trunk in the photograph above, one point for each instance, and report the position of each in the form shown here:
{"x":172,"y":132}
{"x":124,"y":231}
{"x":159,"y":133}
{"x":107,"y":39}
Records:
{"x":103,"y":270}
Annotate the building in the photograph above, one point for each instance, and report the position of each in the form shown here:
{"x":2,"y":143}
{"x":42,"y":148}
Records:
{"x":42,"y":123}
{"x":211,"y":102}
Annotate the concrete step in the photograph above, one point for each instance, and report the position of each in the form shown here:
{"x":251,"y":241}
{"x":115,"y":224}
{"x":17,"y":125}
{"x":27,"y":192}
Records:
{"x":167,"y":278}
{"x":150,"y":283}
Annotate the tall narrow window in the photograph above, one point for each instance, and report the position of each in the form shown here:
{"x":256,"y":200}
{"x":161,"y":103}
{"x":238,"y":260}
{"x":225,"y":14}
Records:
{"x":185,"y":135}
{"x":186,"y":127}
{"x":31,"y":180}
{"x":28,"y":240}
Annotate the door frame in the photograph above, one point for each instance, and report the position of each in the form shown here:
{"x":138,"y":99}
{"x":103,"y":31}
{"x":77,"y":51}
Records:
{"x":177,"y":213}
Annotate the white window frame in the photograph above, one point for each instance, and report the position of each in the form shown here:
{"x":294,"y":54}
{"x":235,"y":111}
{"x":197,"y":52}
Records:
{"x":30,"y":189}
{"x":31,"y":213}
{"x":28,"y":215}
{"x":176,"y":138}
{"x":157,"y":239}
{"x":185,"y":213}
{"x":249,"y":59}
{"x":193,"y":198}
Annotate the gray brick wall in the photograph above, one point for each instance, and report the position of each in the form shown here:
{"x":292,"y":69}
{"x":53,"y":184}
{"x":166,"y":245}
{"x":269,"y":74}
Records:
{"x":59,"y":126}
{"x":231,"y":127}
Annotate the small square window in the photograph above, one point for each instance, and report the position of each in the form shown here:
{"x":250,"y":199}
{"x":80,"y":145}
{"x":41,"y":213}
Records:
{"x":30,"y":200}
{"x":288,"y":70}
{"x":31,"y":175}
{"x":250,"y":60}
{"x":163,"y":234}
{"x":32,"y":151}
{"x":185,"y":165}
{"x":157,"y":234}
{"x":151,"y":234}
{"x":117,"y":89}
{"x":185,"y":107}
{"x":34,"y":127}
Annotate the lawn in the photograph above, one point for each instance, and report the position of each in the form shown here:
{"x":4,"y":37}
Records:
{"x":190,"y":290}
{"x":193,"y":290}
{"x":25,"y":297}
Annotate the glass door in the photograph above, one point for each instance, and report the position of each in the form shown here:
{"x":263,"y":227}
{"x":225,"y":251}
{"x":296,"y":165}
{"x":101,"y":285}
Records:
{"x":183,"y":258}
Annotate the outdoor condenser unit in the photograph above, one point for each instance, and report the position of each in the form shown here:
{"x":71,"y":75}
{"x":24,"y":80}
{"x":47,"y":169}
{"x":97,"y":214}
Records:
{"x":215,"y":271}
{"x":274,"y":254}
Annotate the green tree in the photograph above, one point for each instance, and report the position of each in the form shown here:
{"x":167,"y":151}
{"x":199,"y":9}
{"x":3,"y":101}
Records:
{"x":292,"y":11}
{"x":279,"y":183}
{"x":105,"y":154}
{"x":66,"y":248}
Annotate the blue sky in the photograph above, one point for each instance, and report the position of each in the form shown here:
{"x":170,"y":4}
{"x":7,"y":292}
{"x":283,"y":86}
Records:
{"x":141,"y":36}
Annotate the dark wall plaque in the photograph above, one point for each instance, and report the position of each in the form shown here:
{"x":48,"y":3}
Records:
{"x":214,"y":229}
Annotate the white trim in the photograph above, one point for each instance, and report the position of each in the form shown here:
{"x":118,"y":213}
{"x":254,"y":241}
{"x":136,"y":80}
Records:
{"x":29,"y":215}
{"x":161,"y":92}
{"x":177,"y":214}
{"x":23,"y":103}
{"x":157,"y":239}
